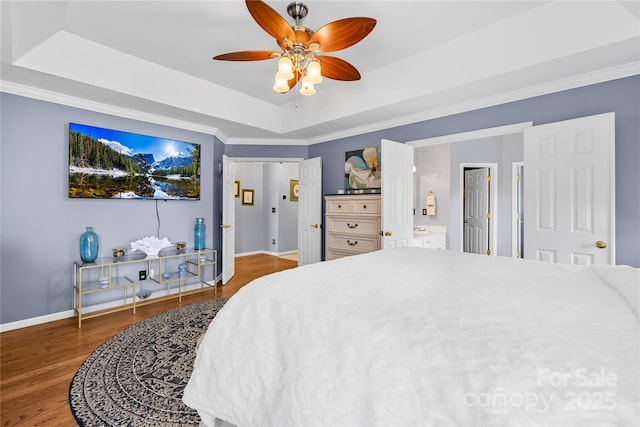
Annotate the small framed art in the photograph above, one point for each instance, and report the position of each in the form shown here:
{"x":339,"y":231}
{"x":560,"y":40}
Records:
{"x":247,"y":197}
{"x":293,"y":190}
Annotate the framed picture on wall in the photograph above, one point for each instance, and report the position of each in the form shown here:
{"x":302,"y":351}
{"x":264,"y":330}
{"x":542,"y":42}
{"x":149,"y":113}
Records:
{"x":293,"y":190}
{"x":362,"y":168}
{"x":247,"y":197}
{"x":237,"y":189}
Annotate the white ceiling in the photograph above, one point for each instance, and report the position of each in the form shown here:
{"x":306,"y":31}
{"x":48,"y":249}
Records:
{"x":423,"y":59}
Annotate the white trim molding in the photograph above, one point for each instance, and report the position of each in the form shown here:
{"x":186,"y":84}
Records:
{"x":600,"y":76}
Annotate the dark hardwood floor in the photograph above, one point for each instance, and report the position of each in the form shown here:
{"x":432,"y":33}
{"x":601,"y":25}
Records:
{"x":38,"y":363}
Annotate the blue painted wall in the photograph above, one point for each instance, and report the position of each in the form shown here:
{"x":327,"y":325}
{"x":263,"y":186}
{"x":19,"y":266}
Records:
{"x":621,"y":96}
{"x":40,"y":226}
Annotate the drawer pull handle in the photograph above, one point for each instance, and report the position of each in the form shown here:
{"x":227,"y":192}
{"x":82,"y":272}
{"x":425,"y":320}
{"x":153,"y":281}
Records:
{"x":364,"y":206}
{"x":339,"y":206}
{"x":350,"y":243}
{"x":352,"y":226}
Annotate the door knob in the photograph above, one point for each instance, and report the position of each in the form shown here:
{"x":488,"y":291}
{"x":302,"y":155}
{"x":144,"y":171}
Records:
{"x":388,"y":233}
{"x":600,"y":244}
{"x":314,"y":225}
{"x":466,"y":221}
{"x":225,"y":226}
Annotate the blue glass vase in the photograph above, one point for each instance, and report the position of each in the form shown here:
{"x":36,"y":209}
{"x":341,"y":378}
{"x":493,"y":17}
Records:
{"x":89,"y":245}
{"x":199,"y":238}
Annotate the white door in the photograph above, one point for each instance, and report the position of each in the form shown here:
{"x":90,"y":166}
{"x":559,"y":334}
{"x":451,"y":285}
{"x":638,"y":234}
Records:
{"x":476,"y":211}
{"x":397,"y":194}
{"x":228,"y":219}
{"x":517,"y":209}
{"x":569,"y":184}
{"x":310,"y":211}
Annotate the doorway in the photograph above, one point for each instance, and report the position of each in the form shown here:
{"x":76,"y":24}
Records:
{"x":267,"y":219}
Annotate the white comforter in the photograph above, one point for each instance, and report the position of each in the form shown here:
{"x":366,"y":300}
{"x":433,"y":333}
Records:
{"x":420,"y":337}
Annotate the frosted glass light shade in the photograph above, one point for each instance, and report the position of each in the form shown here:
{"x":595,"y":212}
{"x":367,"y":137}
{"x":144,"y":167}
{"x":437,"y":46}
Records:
{"x":281,"y":84}
{"x":307,"y":87}
{"x":314,"y":72}
{"x":285,"y":67}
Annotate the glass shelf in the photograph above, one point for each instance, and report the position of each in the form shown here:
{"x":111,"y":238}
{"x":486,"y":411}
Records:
{"x":110,"y":274}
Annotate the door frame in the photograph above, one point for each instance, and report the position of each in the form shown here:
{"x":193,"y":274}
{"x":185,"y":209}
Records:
{"x":263,"y":160}
{"x":516,"y":187}
{"x":493,"y":204}
{"x":514,"y":128}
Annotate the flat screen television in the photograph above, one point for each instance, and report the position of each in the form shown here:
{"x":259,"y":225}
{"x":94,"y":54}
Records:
{"x":111,"y":164}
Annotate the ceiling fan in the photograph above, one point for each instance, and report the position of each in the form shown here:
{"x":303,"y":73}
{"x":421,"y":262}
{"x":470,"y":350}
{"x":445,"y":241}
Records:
{"x":299,"y":47}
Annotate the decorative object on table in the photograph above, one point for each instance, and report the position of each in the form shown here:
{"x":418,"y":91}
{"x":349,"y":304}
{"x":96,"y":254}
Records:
{"x":165,"y":276}
{"x":104,"y":282}
{"x":181,"y":246}
{"x":247,"y":197}
{"x":150,"y":245}
{"x":293,"y":190}
{"x":182,"y":269}
{"x":199,"y":237}
{"x":118,"y":252}
{"x":89,"y":245}
{"x":143,"y":294}
{"x":362,"y":168}
{"x":236,"y":189}
{"x":123,"y":381}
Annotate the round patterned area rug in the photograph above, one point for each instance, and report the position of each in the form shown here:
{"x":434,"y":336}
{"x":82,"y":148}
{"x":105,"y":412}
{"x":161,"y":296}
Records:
{"x":137,"y":377}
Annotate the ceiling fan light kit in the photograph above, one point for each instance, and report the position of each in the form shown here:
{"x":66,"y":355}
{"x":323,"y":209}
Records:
{"x":299,"y":61}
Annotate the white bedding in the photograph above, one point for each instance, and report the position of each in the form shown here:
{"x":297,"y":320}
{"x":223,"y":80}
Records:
{"x":419,"y":337}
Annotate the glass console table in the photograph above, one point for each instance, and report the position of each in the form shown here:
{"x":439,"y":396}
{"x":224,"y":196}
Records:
{"x":171,"y":271}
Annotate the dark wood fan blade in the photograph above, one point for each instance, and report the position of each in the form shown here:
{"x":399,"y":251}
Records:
{"x":343,"y":33}
{"x":294,"y":81}
{"x":338,"y":69}
{"x":252,"y":55}
{"x":270,"y":20}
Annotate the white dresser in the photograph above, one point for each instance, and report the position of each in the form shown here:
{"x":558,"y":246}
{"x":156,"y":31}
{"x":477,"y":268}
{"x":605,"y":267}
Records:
{"x":352,"y":224}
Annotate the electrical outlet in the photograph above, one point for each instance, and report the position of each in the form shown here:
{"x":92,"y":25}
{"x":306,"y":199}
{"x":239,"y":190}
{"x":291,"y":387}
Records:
{"x":273,"y":241}
{"x":424,"y":211}
{"x":151,"y":273}
{"x":142,"y":275}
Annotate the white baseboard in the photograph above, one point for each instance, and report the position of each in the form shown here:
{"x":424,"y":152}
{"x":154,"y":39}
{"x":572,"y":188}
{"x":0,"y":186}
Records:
{"x":18,"y":324}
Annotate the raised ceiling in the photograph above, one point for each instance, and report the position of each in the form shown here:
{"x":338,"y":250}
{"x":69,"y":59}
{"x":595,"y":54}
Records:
{"x":424,"y":58}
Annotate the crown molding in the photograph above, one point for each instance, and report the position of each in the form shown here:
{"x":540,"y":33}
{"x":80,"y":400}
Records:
{"x":266,"y":141}
{"x":600,"y":76}
{"x":98,"y":107}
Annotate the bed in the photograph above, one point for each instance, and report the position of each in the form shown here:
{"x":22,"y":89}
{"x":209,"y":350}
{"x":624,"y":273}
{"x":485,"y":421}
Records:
{"x":422,"y":337}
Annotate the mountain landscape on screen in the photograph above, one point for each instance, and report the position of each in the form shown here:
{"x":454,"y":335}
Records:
{"x":111,"y":164}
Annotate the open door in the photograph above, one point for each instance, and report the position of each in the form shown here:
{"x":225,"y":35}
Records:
{"x":397,"y":194}
{"x":228,"y":219}
{"x":569,"y":183}
{"x":310,"y":211}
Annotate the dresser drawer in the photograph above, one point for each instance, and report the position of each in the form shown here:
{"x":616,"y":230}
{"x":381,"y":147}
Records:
{"x":356,"y":244}
{"x":353,"y":225}
{"x":366,"y":207}
{"x":339,"y":206}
